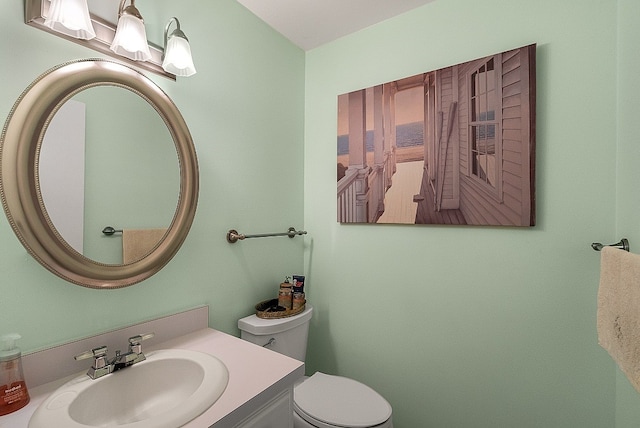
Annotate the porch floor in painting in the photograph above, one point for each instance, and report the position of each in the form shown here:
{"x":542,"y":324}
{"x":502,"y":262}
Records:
{"x":398,"y":201}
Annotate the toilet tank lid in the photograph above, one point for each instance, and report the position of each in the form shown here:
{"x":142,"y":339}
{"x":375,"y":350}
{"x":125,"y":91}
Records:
{"x":264,"y":326}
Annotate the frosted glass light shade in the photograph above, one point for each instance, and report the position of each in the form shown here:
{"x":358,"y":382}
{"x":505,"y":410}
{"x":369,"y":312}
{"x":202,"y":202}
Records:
{"x":130,"y":39}
{"x":70,"y":17}
{"x":177,"y":57}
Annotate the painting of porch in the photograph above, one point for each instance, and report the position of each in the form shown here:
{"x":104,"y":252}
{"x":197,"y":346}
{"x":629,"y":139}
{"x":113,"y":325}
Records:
{"x":474,"y":162}
{"x":391,"y":178}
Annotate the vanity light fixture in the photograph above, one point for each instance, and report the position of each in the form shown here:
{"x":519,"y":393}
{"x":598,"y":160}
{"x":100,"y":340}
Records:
{"x":70,"y":17}
{"x":36,"y":12}
{"x":130,"y":39}
{"x":177,"y":52}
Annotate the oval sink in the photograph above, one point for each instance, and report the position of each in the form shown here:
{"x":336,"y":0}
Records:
{"x":167,"y":390}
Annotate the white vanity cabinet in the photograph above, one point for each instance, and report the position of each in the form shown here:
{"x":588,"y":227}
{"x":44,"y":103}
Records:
{"x":260,"y":389}
{"x":259,"y":393}
{"x":277,"y":413}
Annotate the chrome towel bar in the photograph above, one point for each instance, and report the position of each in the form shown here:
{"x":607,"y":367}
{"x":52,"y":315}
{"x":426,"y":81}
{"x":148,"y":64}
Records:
{"x":233,"y":236}
{"x":622,"y":245}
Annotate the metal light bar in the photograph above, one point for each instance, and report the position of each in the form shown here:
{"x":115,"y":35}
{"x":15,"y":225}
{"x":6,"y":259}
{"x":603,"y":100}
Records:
{"x":35,"y":11}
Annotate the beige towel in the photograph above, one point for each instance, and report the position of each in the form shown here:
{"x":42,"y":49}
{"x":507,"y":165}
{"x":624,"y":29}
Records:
{"x":137,"y":243}
{"x":619,"y":310}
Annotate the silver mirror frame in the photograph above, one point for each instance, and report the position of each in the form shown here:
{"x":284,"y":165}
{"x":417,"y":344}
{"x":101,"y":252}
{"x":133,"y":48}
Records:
{"x":20,"y":144}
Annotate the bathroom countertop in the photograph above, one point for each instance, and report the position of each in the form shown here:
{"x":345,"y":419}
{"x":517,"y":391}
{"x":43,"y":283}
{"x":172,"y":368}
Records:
{"x":253,"y":371}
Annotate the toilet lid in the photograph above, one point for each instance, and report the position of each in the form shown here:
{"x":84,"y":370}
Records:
{"x":340,"y":401}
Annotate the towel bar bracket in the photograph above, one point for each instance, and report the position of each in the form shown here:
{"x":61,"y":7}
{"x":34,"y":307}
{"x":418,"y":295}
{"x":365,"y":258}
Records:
{"x":110,"y":230}
{"x":622,"y":245}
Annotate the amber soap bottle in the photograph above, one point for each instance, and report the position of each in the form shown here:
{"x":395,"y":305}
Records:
{"x":13,"y":389}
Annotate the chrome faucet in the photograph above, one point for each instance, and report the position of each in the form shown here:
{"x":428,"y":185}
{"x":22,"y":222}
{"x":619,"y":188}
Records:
{"x":102,"y":366}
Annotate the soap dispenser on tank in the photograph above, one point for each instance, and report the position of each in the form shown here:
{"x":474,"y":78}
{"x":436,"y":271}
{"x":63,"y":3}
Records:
{"x":13,"y":389}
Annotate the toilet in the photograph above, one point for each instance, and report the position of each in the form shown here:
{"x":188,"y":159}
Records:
{"x":321,"y":400}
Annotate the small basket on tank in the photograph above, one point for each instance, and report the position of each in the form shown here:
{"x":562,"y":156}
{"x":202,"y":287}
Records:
{"x":269,"y":309}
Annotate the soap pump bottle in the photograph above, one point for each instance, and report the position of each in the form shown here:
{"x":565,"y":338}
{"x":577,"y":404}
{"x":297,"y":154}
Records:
{"x":13,"y":389}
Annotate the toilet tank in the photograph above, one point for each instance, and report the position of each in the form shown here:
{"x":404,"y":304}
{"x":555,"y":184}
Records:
{"x":287,"y":336}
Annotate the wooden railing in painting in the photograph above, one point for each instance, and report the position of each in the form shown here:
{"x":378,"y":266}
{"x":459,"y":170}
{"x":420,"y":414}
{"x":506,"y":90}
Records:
{"x":347,"y":197}
{"x":379,"y":180}
{"x":389,"y":168}
{"x":376,"y":193}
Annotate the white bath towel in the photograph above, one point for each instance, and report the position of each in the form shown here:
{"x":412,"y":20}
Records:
{"x":137,"y":243}
{"x":619,"y":310}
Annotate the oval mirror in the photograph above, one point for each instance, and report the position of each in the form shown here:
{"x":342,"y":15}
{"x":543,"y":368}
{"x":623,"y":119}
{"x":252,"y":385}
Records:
{"x":133,"y":180}
{"x":26,"y":200}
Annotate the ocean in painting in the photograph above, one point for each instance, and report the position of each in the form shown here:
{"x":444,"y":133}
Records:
{"x":407,"y":135}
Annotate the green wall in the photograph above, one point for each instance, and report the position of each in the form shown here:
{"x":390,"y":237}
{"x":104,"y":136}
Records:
{"x":245,"y":112}
{"x":627,"y":196}
{"x":455,"y":326}
{"x":475,"y":326}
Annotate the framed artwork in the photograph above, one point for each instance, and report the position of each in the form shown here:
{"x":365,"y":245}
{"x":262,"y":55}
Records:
{"x":454,"y":146}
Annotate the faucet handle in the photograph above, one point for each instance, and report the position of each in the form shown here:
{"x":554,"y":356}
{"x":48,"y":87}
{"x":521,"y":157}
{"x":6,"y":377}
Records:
{"x":83,"y":356}
{"x":97,"y":353}
{"x":135,"y":340}
{"x":100,"y":366}
{"x":135,"y":343}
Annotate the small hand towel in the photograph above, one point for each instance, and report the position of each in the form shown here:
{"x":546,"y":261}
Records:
{"x":137,"y":243}
{"x":618,"y":318}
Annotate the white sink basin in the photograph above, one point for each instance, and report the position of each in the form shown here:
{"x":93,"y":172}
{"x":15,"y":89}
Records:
{"x":167,"y":390}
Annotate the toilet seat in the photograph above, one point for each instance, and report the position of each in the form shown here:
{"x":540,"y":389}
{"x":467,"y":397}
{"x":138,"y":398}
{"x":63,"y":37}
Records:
{"x":334,"y":401}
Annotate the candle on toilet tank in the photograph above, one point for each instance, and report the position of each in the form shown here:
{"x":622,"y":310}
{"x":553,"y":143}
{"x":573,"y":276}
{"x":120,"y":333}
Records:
{"x":285,"y":295}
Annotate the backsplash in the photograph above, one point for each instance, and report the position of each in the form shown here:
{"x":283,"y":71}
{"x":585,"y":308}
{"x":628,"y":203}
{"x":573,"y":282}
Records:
{"x":38,"y":365}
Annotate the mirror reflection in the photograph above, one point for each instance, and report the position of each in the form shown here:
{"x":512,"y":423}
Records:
{"x":108,"y":159}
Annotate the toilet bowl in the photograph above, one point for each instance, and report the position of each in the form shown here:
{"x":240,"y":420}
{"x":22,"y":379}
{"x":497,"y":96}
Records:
{"x":321,"y":400}
{"x":326,"y":401}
